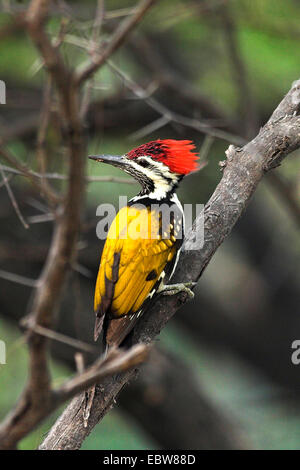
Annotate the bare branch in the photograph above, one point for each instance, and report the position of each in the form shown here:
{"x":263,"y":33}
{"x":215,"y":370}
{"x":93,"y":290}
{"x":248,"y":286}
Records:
{"x":25,"y":281}
{"x":38,"y":399}
{"x":61,"y":253}
{"x":37,"y":393}
{"x":62,"y":77}
{"x":205,"y":148}
{"x":21,"y":420}
{"x":13,"y":199}
{"x":51,"y":334}
{"x":41,"y":136}
{"x":59,"y":176}
{"x":25,"y":171}
{"x":247,"y":106}
{"x":170,"y":115}
{"x":165,"y":75}
{"x":149,"y":128}
{"x":99,"y":16}
{"x":116,"y":40}
{"x":112,"y":364}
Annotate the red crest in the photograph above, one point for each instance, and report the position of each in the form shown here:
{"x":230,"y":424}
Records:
{"x":178,"y":155}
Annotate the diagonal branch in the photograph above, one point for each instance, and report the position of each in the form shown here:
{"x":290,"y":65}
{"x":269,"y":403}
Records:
{"x":116,"y":361}
{"x":242,"y":172}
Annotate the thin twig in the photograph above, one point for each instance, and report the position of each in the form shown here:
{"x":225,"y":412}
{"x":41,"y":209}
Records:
{"x":61,"y":338}
{"x":172,"y":115}
{"x":9,"y":178}
{"x":13,"y":199}
{"x":150,"y":128}
{"x":24,"y":170}
{"x":168,"y":77}
{"x":167,"y":115}
{"x":99,"y":16}
{"x":248,"y":112}
{"x":116,"y":40}
{"x":25,"y":281}
{"x":41,"y":218}
{"x":59,"y":176}
{"x":41,"y":136}
{"x":205,"y":148}
{"x":79,"y":361}
{"x":92,"y":47}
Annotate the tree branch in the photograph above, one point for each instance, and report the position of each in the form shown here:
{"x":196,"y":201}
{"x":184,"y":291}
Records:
{"x":242,"y":172}
{"x":115,"y":362}
{"x":20,"y":420}
{"x":61,"y":253}
{"x":37,"y":395}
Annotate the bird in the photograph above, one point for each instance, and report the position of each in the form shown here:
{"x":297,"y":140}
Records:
{"x":142,"y":247}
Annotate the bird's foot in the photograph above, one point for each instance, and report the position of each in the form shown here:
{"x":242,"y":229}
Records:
{"x":172,"y":289}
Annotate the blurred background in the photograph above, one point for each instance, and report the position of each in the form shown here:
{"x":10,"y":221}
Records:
{"x":212,"y":71}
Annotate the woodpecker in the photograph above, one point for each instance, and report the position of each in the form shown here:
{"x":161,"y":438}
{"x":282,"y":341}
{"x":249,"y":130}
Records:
{"x":141,"y":250}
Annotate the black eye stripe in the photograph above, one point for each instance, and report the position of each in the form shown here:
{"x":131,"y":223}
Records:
{"x":144,"y":163}
{"x":158,"y":171}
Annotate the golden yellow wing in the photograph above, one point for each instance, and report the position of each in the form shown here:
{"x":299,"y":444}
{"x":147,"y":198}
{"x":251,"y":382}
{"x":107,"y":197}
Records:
{"x":133,"y":258}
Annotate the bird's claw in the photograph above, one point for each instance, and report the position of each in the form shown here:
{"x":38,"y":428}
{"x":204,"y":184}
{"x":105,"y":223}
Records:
{"x":173,"y":289}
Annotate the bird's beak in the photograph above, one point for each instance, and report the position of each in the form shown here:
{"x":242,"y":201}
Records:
{"x":115,"y":160}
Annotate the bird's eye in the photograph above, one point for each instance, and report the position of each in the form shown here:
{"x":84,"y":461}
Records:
{"x":143,"y":163}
